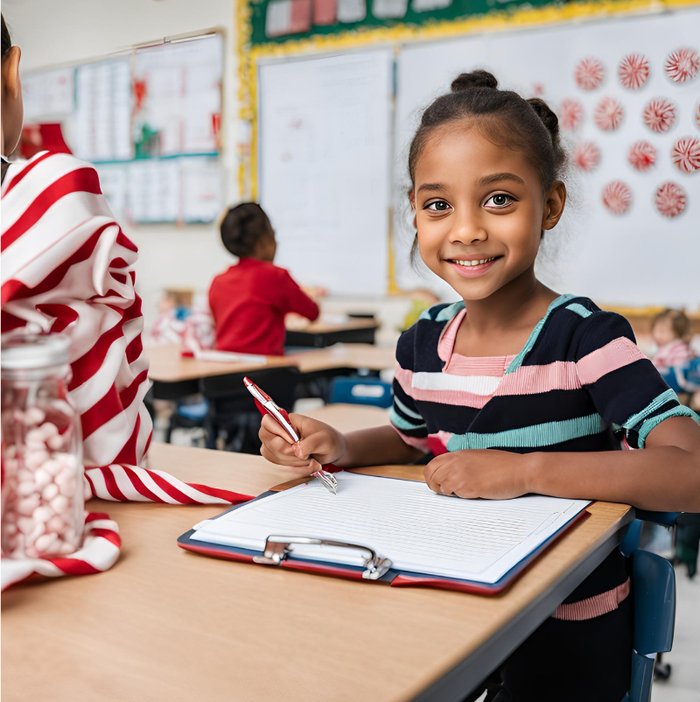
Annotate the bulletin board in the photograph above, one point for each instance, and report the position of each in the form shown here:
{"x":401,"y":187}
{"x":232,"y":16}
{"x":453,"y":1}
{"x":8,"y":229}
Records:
{"x":627,"y":237}
{"x":149,"y":120}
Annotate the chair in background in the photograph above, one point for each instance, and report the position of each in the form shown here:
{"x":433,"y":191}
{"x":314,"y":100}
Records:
{"x":233,"y":417}
{"x":192,"y":416}
{"x":654,"y":605}
{"x":360,"y":390}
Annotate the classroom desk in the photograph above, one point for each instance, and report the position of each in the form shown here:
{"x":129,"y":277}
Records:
{"x":347,"y":418}
{"x":324,"y":333}
{"x":163,"y":624}
{"x":174,"y":377}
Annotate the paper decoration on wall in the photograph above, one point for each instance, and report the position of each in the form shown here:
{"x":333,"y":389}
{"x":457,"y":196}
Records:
{"x":608,"y":114}
{"x":682,"y":64}
{"x":642,"y":156}
{"x":389,"y":9}
{"x":633,"y":71}
{"x":659,"y":115}
{"x":570,"y":114}
{"x":324,"y":12}
{"x":686,"y":154}
{"x":351,"y":10}
{"x":589,"y":73}
{"x":587,"y":156}
{"x":670,"y":199}
{"x":697,"y":115}
{"x":288,"y":17}
{"x":617,"y":197}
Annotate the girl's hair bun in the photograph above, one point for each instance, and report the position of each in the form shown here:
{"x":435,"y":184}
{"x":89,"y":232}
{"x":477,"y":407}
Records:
{"x":474,"y":79}
{"x":545,"y":113}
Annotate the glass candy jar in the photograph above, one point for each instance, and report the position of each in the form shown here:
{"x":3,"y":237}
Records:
{"x":42,"y":469}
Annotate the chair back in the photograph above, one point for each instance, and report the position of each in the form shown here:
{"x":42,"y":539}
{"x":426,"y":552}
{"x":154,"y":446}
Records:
{"x":360,"y":391}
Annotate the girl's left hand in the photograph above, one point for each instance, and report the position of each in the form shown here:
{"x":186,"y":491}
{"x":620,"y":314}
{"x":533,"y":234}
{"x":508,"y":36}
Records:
{"x":495,"y":475}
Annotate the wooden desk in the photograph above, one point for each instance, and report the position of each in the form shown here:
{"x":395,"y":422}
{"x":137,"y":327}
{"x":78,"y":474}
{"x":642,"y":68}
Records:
{"x":322,"y":333}
{"x":174,"y":376}
{"x":168,"y":625}
{"x":350,"y":417}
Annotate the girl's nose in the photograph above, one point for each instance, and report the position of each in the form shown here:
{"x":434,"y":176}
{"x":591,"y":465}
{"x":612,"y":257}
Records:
{"x":468,"y":229}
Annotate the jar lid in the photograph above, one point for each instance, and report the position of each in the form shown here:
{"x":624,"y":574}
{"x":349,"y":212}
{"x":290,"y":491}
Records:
{"x":24,"y":350}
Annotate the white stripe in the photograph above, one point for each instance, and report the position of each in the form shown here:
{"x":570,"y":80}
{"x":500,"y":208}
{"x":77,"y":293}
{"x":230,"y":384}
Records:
{"x":476,"y":384}
{"x":187,"y":489}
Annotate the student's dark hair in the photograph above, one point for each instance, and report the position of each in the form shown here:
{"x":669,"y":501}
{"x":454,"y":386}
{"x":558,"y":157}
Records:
{"x":6,"y":39}
{"x":505,"y":118}
{"x":243,"y":227}
{"x":680,"y":324}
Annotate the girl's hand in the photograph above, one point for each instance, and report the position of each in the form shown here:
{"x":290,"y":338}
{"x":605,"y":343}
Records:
{"x":320,"y":444}
{"x":495,"y":475}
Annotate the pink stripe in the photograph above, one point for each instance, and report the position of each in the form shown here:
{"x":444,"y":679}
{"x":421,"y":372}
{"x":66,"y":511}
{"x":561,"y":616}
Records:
{"x":420,"y":444}
{"x":448,"y":336}
{"x":594,"y":606}
{"x":445,"y":397}
{"x":616,"y":354}
{"x":529,"y":380}
{"x":494,"y":366}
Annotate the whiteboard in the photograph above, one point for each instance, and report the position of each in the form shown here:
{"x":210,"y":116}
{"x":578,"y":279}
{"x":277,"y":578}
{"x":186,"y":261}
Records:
{"x":638,"y":258}
{"x":324,"y":155}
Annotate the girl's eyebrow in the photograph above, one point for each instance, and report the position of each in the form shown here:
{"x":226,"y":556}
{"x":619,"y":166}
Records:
{"x":497,"y":177}
{"x":431,"y":187}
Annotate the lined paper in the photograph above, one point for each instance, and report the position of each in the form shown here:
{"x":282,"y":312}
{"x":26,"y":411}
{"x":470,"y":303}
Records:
{"x":402,"y":520}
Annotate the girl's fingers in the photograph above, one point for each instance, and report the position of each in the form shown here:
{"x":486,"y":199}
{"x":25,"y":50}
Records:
{"x":270,"y":426}
{"x":281,"y":458}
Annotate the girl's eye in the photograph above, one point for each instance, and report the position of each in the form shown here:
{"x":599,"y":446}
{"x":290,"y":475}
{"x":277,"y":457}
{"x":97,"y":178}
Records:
{"x":437,"y":206}
{"x":499,"y":200}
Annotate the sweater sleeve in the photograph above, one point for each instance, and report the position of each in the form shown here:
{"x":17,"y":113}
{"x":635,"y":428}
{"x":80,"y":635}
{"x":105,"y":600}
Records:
{"x":626,"y":389}
{"x":295,"y":299}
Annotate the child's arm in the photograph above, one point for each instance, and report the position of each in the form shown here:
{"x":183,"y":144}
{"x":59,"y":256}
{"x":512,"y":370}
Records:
{"x":323,"y":444}
{"x":296,"y":300}
{"x":663,"y":476}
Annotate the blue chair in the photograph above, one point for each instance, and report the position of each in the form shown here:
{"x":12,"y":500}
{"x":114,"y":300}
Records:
{"x":684,"y":378}
{"x":361,"y":390}
{"x":189,"y":415}
{"x":654,"y":604}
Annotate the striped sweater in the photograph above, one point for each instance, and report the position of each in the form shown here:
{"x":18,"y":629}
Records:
{"x":579,"y":384}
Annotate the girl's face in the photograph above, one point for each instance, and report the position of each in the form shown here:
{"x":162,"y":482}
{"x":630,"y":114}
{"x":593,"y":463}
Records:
{"x":480,"y":211}
{"x":12,"y":111}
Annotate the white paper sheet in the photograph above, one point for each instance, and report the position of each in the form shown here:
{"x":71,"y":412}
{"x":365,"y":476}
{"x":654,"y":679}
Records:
{"x":419,"y":531}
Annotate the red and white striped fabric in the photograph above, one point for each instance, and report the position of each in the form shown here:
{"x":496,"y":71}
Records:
{"x":68,"y":267}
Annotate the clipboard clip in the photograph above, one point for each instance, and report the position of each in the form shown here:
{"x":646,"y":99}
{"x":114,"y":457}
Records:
{"x":278,"y":548}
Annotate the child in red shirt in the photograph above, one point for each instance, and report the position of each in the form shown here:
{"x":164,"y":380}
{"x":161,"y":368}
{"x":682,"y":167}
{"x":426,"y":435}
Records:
{"x":249,"y":301}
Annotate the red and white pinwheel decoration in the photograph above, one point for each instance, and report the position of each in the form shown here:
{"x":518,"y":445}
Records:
{"x":608,"y":114}
{"x":633,"y":71}
{"x":686,"y":154}
{"x":642,"y":155}
{"x":682,"y":65}
{"x":617,"y":197}
{"x":659,"y":115}
{"x":589,"y":73}
{"x":670,"y":199}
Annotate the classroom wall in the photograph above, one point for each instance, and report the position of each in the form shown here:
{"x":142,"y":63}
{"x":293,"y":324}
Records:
{"x":54,"y":32}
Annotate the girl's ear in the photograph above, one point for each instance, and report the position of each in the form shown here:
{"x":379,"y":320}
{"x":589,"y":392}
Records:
{"x":554,"y":205}
{"x":10,"y":73}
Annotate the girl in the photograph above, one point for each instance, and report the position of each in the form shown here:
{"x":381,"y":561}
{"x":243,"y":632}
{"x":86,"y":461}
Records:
{"x":517,"y":389}
{"x":250,"y":300}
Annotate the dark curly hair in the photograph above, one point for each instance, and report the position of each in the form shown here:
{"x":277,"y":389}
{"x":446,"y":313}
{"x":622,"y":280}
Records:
{"x":243,"y":227}
{"x":506,"y":118}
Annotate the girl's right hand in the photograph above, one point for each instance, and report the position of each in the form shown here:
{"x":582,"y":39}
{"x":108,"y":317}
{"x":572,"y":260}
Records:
{"x":320,"y":444}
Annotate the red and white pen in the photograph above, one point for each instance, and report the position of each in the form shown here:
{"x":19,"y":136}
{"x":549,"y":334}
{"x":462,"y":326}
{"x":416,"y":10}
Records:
{"x":266,"y":405}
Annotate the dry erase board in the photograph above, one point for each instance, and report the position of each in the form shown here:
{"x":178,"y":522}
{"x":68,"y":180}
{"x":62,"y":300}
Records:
{"x":324,"y":155}
{"x":149,"y":120}
{"x":628,"y":94}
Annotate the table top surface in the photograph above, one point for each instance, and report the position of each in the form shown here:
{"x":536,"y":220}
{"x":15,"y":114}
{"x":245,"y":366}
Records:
{"x":166,"y":365}
{"x":164,"y":624}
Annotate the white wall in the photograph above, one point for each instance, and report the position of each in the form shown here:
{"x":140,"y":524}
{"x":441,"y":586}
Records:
{"x":54,"y":32}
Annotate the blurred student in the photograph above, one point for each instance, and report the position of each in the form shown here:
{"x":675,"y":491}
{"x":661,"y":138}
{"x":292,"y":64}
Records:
{"x":250,"y":300}
{"x":670,"y":330}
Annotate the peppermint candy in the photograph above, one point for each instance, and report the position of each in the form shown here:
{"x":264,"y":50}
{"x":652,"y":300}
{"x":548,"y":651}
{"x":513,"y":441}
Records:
{"x":686,"y":154}
{"x":682,"y":65}
{"x":589,"y":73}
{"x":642,"y":156}
{"x":633,"y":71}
{"x":586,"y":156}
{"x":617,"y":197}
{"x":570,"y":114}
{"x":659,"y":115}
{"x":608,"y":114}
{"x":670,"y":199}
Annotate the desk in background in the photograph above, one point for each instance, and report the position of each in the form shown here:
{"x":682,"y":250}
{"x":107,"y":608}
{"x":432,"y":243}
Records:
{"x":326,"y":333}
{"x":168,"y":625}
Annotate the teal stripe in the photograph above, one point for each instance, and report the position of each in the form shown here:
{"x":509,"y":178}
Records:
{"x":400,"y":423}
{"x":518,"y":360}
{"x":545,"y":434}
{"x":649,"y":424}
{"x":405,"y":409}
{"x":450,"y":311}
{"x":579,"y":309}
{"x":659,"y":401}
